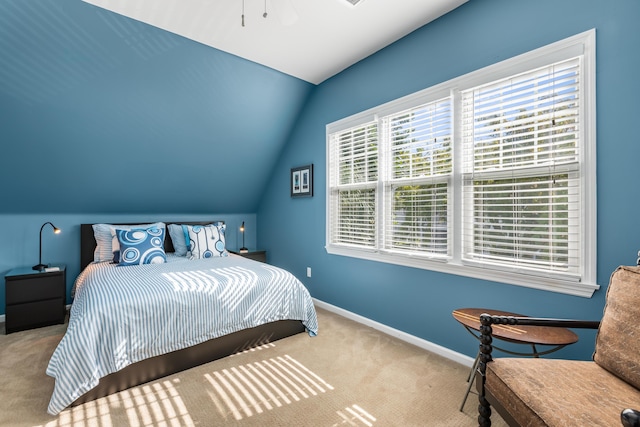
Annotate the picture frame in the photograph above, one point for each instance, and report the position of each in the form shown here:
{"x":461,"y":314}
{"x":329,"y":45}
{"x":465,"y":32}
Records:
{"x":302,"y":181}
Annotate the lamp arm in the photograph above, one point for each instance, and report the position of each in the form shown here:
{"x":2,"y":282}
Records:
{"x":55,"y":230}
{"x":40,"y":253}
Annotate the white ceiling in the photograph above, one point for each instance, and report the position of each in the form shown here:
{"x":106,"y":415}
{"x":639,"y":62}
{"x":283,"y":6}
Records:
{"x":309,"y":39}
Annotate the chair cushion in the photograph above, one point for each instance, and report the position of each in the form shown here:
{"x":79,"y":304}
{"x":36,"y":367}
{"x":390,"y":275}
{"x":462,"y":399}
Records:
{"x":559,"y":393}
{"x":618,"y":340}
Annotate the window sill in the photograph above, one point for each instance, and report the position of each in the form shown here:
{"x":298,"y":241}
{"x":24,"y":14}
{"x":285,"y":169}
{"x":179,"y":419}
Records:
{"x":575,"y":288}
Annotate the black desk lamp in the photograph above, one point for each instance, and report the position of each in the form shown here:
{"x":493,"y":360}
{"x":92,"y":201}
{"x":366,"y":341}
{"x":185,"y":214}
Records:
{"x":243,"y":250}
{"x":42,"y":266}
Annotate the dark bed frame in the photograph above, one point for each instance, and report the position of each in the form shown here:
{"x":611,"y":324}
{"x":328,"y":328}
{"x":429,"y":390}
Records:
{"x":180,"y":360}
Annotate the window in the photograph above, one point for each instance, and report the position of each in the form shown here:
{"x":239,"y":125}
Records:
{"x":489,"y":175}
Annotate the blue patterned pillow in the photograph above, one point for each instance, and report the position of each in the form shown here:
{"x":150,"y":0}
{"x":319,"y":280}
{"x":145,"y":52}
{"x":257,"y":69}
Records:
{"x":115,"y":244}
{"x":141,"y":246}
{"x":207,"y":241}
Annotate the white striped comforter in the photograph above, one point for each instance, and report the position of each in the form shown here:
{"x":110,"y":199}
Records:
{"x":121,"y":315}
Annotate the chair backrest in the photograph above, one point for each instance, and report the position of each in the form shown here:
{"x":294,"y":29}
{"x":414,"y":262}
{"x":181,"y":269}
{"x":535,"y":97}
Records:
{"x":618,"y":340}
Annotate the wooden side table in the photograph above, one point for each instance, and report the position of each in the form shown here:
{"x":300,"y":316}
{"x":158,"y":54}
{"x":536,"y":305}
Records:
{"x":533,"y":336}
{"x":34,"y":298}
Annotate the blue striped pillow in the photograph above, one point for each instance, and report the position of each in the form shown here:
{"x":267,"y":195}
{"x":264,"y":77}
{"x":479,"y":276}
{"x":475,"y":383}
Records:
{"x":179,"y":238}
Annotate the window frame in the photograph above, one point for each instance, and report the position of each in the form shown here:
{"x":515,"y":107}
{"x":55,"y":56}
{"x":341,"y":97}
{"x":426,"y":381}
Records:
{"x":583,"y":45}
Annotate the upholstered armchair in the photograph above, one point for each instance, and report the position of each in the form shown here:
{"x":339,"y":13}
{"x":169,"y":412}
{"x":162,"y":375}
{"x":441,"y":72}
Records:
{"x":554,"y":392}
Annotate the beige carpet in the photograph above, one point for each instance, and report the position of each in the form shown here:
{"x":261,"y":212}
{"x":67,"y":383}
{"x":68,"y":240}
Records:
{"x":349,"y":375}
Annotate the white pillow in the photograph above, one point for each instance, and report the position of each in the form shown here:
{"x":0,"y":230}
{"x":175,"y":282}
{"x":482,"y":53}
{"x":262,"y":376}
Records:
{"x":207,"y":241}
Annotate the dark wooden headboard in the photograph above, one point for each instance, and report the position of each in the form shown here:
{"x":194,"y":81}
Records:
{"x":88,"y":241}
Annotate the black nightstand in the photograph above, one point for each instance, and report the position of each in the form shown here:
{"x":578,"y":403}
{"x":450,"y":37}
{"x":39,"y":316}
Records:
{"x":34,"y":298}
{"x":254,"y":255}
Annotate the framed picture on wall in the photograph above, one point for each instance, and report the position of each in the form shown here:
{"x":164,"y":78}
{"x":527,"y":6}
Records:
{"x":302,"y":181}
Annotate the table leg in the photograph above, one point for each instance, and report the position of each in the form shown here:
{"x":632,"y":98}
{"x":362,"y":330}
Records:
{"x":471,"y":379}
{"x":474,"y":366}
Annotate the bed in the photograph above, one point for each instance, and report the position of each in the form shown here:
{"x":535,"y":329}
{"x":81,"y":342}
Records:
{"x":133,"y":324}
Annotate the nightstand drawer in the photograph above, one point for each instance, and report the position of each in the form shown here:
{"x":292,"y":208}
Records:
{"x":33,"y":289}
{"x":34,"y":314}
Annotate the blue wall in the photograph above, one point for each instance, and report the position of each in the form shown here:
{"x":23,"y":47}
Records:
{"x":473,"y":36}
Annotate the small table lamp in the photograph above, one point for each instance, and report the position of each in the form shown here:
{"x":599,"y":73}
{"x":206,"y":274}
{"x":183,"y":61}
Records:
{"x":243,"y":249}
{"x":40,"y":265}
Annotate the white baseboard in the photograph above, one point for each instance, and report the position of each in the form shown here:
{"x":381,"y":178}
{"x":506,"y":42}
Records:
{"x":411,"y":339}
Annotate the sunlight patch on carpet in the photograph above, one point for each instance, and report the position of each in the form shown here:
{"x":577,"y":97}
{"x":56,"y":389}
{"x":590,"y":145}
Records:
{"x":91,"y":413}
{"x":254,"y":347}
{"x":251,"y":389}
{"x":157,"y":403}
{"x":152,"y":404}
{"x":354,"y":415}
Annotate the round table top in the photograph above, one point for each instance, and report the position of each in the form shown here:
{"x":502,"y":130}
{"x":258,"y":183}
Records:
{"x":544,"y":335}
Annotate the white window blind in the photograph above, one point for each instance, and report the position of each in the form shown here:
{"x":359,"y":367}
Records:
{"x":521,"y":171}
{"x":353,"y":187}
{"x":417,"y":183}
{"x":489,"y":175}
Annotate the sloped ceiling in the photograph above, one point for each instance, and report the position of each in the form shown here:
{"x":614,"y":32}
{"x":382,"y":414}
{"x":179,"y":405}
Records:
{"x":309,"y":39}
{"x":103,"y":113}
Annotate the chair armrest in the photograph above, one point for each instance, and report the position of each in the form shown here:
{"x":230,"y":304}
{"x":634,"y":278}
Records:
{"x":630,"y":418}
{"x":538,"y":321}
{"x":486,"y":320}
